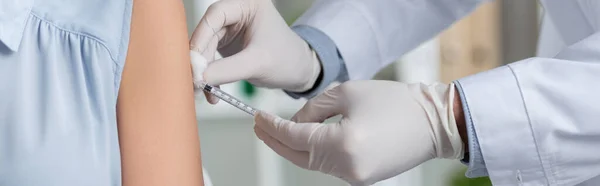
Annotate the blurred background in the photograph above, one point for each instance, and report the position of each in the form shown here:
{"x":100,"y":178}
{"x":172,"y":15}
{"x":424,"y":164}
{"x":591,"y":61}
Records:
{"x":497,"y":33}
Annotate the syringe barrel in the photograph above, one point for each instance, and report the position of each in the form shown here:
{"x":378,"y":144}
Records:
{"x":229,"y":99}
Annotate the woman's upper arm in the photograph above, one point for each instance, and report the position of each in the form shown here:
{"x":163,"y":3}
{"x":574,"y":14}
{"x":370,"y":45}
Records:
{"x":156,"y":118}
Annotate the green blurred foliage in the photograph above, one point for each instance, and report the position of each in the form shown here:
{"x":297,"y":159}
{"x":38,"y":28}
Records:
{"x":248,"y":89}
{"x":459,"y":179}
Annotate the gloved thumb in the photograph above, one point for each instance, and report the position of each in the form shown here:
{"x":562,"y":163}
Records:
{"x":328,"y":104}
{"x":241,"y":66}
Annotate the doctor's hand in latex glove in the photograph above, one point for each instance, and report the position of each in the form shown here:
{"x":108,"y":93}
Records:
{"x":257,"y":45}
{"x":387,"y":128}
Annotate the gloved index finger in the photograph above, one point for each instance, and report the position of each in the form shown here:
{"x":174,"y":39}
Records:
{"x":297,"y":136}
{"x":218,"y":15}
{"x":240,"y":66}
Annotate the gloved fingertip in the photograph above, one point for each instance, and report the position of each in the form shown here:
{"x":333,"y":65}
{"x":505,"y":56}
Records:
{"x":194,"y":48}
{"x":198,"y":93}
{"x":196,"y":55}
{"x":195,"y":43}
{"x":259,"y":117}
{"x":262,"y":118}
{"x":212,"y":99}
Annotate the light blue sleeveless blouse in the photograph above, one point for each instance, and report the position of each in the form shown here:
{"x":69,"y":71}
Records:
{"x":60,"y":70}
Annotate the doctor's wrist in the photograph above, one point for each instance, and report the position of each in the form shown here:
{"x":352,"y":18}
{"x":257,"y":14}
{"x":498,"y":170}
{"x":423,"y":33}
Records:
{"x":459,"y":116}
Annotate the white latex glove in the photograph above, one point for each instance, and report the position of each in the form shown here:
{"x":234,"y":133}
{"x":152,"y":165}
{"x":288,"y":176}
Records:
{"x":257,"y":44}
{"x":387,"y":128}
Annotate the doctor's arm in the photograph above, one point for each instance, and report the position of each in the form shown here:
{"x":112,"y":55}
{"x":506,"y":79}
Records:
{"x":355,"y":39}
{"x":335,"y":40}
{"x":535,"y":122}
{"x":158,"y":134}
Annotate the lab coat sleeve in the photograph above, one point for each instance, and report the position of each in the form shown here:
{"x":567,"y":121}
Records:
{"x":370,"y":34}
{"x":537,"y":120}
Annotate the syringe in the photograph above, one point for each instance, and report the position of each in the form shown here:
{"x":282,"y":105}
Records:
{"x":228,"y":98}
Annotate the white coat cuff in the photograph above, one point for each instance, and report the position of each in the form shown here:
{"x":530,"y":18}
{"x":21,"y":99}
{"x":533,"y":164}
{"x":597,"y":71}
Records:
{"x":332,"y":64}
{"x":474,"y":159}
{"x":502,"y":126}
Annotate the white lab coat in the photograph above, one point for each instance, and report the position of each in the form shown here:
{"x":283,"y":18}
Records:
{"x":207,"y":181}
{"x":537,"y":120}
